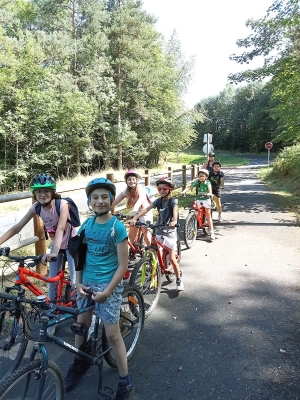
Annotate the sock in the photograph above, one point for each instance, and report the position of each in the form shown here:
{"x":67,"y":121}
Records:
{"x":125,"y":381}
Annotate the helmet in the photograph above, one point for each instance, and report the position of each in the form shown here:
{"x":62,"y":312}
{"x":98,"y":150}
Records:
{"x":167,"y":181}
{"x":100,"y":183}
{"x":203,"y":171}
{"x":216,"y":163}
{"x":42,"y":181}
{"x":131,"y":172}
{"x":211,"y":154}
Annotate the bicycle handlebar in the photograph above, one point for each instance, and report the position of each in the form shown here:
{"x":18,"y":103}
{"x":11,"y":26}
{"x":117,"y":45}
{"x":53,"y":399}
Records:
{"x":148,"y":224}
{"x":5,"y":251}
{"x":49,"y":310}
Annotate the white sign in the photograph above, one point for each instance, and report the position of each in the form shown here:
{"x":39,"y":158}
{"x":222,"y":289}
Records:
{"x":205,"y":137}
{"x":210,"y":148}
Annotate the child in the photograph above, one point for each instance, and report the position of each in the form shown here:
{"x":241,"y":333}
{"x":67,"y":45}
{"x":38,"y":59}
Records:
{"x":137,"y":200}
{"x":203,"y":185}
{"x":105,"y":265}
{"x":43,"y":187}
{"x":216,"y":178}
{"x":167,"y":207}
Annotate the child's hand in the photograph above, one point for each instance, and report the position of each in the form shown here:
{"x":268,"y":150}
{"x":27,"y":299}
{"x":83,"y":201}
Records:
{"x":172,"y":224}
{"x":182,"y":194}
{"x":82,"y":290}
{"x":99,"y":297}
{"x":132,"y":222}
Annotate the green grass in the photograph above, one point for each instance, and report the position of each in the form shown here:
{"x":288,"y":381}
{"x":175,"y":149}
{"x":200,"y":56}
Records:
{"x":193,"y":157}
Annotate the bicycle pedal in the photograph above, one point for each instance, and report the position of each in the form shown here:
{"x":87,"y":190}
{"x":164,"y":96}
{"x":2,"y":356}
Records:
{"x":77,"y":329}
{"x":107,"y":393}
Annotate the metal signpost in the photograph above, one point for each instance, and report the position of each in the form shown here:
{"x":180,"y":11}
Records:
{"x":268,"y":146}
{"x":208,"y":147}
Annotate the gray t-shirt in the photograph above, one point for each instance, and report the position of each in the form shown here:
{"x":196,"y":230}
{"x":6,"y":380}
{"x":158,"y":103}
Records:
{"x":165,"y":211}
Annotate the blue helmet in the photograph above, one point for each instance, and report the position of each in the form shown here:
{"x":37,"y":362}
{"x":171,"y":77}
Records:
{"x":100,"y":183}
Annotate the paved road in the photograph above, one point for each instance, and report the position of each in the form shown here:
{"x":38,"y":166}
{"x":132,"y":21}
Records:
{"x":234,"y":332}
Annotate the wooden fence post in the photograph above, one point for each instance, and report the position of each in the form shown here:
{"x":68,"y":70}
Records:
{"x":147,"y":177}
{"x":170,"y":173}
{"x":111,"y":177}
{"x":192,"y":172}
{"x":40,"y":246}
{"x":183,"y":177}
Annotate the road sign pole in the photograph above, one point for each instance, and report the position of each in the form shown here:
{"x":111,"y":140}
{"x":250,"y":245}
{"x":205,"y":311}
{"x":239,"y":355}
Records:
{"x":268,"y":158}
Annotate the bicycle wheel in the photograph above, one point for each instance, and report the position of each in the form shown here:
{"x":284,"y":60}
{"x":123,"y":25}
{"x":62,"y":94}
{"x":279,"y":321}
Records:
{"x":24,"y":383}
{"x":148,"y":283}
{"x":13,"y":342}
{"x":190,"y":230}
{"x":132,"y":316}
{"x":170,"y":275}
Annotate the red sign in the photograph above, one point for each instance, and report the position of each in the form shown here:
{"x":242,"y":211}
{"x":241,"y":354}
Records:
{"x":268,"y":145}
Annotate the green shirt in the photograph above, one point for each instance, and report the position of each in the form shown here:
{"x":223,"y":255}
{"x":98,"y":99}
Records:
{"x":202,"y":187}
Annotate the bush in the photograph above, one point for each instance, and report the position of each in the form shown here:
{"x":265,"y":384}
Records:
{"x":287,"y":163}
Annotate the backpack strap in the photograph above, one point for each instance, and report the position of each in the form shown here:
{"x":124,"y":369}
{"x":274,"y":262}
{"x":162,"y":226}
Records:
{"x":57,"y":208}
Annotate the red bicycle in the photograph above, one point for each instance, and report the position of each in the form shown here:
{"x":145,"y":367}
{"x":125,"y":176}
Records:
{"x":147,"y":272}
{"x":195,"y":220}
{"x":13,"y":341}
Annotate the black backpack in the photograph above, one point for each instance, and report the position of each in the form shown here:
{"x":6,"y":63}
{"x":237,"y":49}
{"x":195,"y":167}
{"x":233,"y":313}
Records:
{"x":73,"y":211}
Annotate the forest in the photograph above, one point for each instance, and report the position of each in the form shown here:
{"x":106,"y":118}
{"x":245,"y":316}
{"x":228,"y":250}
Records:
{"x":91,"y":85}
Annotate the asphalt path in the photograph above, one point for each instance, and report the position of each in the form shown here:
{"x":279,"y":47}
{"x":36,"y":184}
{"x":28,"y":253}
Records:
{"x":234,"y":332}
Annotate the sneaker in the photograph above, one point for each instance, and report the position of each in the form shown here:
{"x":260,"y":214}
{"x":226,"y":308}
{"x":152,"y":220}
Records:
{"x":124,"y":392}
{"x":180,"y":285}
{"x":51,"y":330}
{"x":220,"y":218}
{"x":71,"y":379}
{"x":212,"y":236}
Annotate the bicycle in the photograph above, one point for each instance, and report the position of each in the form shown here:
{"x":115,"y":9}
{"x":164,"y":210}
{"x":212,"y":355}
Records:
{"x":195,"y":220}
{"x":42,"y":379}
{"x":155,"y":263}
{"x":13,"y":342}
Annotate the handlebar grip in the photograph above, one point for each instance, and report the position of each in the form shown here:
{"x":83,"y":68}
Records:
{"x":67,"y":310}
{"x":7,"y":296}
{"x":88,"y":291}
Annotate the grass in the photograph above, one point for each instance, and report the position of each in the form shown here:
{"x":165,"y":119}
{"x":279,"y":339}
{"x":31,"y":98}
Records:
{"x":194,"y":157}
{"x":287,"y":188}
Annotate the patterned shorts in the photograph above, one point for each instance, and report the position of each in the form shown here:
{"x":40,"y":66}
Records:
{"x":109,"y":311}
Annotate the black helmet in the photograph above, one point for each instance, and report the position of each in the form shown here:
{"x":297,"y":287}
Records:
{"x":100,"y":183}
{"x":216,"y":163}
{"x":167,"y":181}
{"x":42,"y":181}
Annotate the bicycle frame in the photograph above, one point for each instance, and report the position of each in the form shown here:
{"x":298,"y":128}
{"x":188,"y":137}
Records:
{"x":200,"y":215}
{"x":22,"y":279}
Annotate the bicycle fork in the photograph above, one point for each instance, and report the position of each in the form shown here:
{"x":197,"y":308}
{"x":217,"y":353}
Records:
{"x":153,"y":270}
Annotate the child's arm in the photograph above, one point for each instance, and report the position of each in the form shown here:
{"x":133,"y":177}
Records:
{"x":17,"y":228}
{"x":140,"y":214}
{"x":118,"y":200}
{"x":122,"y":250}
{"x":186,"y":190}
{"x":175,"y":215}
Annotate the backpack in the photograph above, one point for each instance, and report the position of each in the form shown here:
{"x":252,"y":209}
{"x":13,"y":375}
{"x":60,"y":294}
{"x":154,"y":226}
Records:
{"x":73,"y":211}
{"x":150,"y":193}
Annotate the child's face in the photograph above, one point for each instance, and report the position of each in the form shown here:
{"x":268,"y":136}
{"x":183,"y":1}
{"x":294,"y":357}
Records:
{"x":131,"y":181}
{"x":201,"y":177}
{"x":216,"y":167}
{"x":44,"y":195}
{"x":100,"y":200}
{"x":163,"y":189}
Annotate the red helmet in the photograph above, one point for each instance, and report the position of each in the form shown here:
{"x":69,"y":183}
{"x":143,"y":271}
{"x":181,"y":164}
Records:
{"x":131,"y":172}
{"x":166,"y":180}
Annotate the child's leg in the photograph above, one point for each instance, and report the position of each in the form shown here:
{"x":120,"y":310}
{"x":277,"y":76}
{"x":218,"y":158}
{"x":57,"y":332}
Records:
{"x":147,"y":236}
{"x":174,"y":263}
{"x":217,"y":201}
{"x":54,"y":269}
{"x":132,"y":233}
{"x":116,"y":341}
{"x":85,"y":320}
{"x":71,"y":266}
{"x":209,"y":219}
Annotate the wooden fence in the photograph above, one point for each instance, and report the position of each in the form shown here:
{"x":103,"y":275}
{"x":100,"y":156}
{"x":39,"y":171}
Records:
{"x":39,"y":234}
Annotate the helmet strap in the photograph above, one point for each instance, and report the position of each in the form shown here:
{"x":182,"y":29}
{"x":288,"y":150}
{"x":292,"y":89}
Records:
{"x":100,"y":214}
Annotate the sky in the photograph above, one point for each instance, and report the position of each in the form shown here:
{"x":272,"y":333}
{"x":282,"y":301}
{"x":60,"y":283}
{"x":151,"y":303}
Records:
{"x":208,"y":30}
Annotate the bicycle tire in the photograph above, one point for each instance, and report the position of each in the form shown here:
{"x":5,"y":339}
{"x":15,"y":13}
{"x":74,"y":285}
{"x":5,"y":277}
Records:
{"x":15,"y":385}
{"x":170,"y":276}
{"x":190,"y":230}
{"x":11,"y":354}
{"x":149,"y":289}
{"x":132,"y":309}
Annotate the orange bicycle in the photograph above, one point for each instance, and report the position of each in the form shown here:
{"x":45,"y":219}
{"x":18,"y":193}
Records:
{"x":147,"y":272}
{"x":195,"y":220}
{"x":13,"y":342}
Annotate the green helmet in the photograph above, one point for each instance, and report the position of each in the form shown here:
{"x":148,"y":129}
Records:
{"x":42,"y":181}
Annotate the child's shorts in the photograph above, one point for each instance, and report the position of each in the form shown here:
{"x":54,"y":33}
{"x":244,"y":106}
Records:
{"x":205,"y":203}
{"x":170,"y":243}
{"x":109,"y":311}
